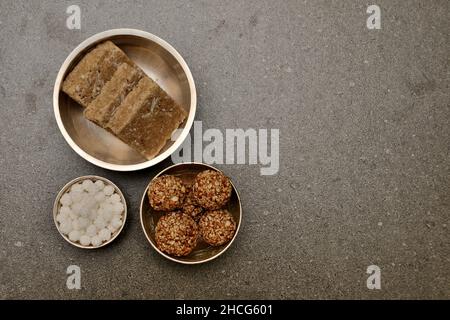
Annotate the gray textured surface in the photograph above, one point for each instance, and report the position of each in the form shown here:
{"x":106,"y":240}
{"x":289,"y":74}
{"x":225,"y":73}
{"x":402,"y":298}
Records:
{"x":364,"y":121}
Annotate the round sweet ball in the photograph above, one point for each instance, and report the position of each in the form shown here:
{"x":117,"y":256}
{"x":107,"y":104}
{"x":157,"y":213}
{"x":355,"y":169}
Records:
{"x":190,"y":206}
{"x":176,"y":234}
{"x":211,"y":189}
{"x":166,"y":193}
{"x":217,"y":227}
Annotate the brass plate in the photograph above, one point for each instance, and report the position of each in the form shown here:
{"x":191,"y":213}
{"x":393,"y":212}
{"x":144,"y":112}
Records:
{"x":161,"y":62}
{"x":149,"y":217}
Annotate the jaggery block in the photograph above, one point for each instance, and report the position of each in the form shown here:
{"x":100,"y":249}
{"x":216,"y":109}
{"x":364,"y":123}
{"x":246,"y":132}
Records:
{"x":95,"y":69}
{"x":146,"y":118}
{"x":112,"y":94}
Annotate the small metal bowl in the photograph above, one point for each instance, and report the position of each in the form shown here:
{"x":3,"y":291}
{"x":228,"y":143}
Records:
{"x":157,"y":59}
{"x":149,"y":217}
{"x":57,"y":206}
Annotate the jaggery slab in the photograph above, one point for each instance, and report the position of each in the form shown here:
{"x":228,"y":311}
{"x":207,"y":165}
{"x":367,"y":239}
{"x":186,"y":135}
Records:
{"x":146,"y":118}
{"x":113,"y":93}
{"x":95,"y":69}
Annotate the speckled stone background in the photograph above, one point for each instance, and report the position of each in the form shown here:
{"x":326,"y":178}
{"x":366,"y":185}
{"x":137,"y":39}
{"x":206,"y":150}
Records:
{"x":364,"y":119}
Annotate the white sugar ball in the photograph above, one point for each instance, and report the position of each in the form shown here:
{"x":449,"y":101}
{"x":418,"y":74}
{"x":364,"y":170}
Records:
{"x":76,"y":188}
{"x":117,"y":216}
{"x":83,"y":197}
{"x":74,"y":235}
{"x":76,"y":207}
{"x":107,"y":216}
{"x":91,"y":230}
{"x":105,"y":234}
{"x":73,"y":215}
{"x":76,"y":225}
{"x":66,"y":200}
{"x":65,"y":210}
{"x":100,"y":197}
{"x":96,"y":241}
{"x":112,"y":228}
{"x":66,"y":226}
{"x":90,"y":203}
{"x":92,"y":189}
{"x":104,"y":210}
{"x":116,"y":222}
{"x":76,"y":195}
{"x":99,"y":184}
{"x":85,"y":240}
{"x":115,"y":198}
{"x":62,"y":217}
{"x":107,"y":207}
{"x":83,"y":222}
{"x":93,"y":215}
{"x":84,"y":212}
{"x":100,"y":223}
{"x":108,"y":190}
{"x":118,"y":208}
{"x":108,"y":200}
{"x":65,"y":219}
{"x":87,"y":184}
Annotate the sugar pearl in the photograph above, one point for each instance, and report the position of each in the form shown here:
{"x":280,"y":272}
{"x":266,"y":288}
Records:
{"x":107,"y":216}
{"x":62,"y":217}
{"x":74,"y":235}
{"x":93,"y":215}
{"x":90,"y":203}
{"x":99,"y":184}
{"x":76,"y":207}
{"x":105,"y":234}
{"x":85,"y":240}
{"x":106,"y":207}
{"x":65,"y":210}
{"x":76,"y":225}
{"x":112,"y":228}
{"x":76,"y":188}
{"x":92,"y":189}
{"x":100,"y":223}
{"x":91,"y":230}
{"x":87,"y":184}
{"x":76,"y":195}
{"x":66,"y":200}
{"x":84,"y":212}
{"x":96,"y":241}
{"x":66,"y":227}
{"x":115,"y":198}
{"x":118,"y":207}
{"x":100,"y":197}
{"x":116,"y":222}
{"x":108,"y":190}
{"x":83,"y":222}
{"x":74,"y":215}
